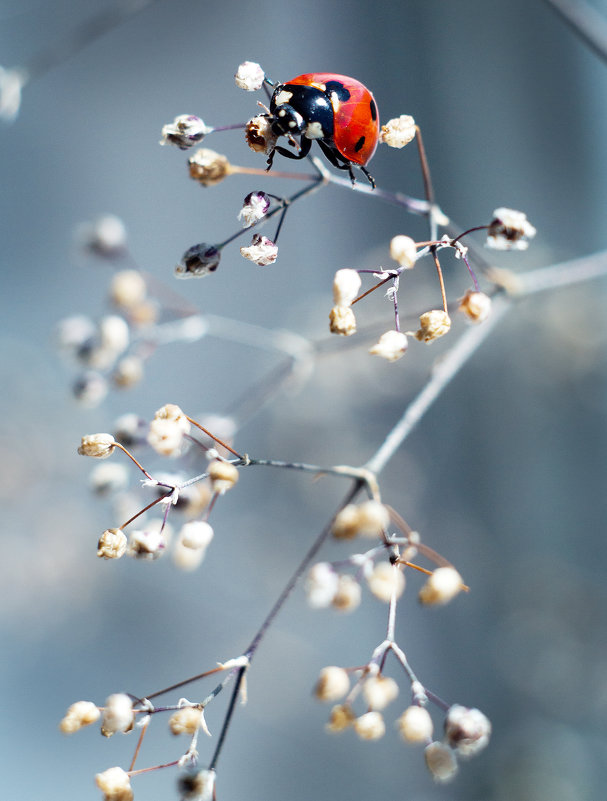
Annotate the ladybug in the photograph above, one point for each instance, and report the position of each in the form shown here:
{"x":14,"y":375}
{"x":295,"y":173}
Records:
{"x":336,"y":111}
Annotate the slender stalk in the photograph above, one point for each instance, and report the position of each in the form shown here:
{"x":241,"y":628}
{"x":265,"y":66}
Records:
{"x":88,"y":31}
{"x":444,"y":371}
{"x":145,"y":508}
{"x":213,"y":437}
{"x":276,"y":608}
{"x":227,"y":719}
{"x":300,"y":570}
{"x":585,"y":21}
{"x":441,"y":281}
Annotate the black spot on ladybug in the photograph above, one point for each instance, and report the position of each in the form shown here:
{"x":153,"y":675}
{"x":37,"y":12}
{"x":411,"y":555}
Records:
{"x":339,"y":89}
{"x":373,"y":109}
{"x":359,"y":144}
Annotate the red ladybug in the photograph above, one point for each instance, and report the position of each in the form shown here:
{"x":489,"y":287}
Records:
{"x":336,"y":111}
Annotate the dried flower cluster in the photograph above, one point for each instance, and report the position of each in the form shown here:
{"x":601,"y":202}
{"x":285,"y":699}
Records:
{"x":113,"y":351}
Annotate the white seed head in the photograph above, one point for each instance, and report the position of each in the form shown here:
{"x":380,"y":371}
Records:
{"x":108,"y":478}
{"x":370,"y":726}
{"x":398,"y":132}
{"x":348,"y":595}
{"x":379,"y":691}
{"x":115,"y":785}
{"x":254,"y":208}
{"x":259,"y":135}
{"x":118,"y":715}
{"x":346,"y":523}
{"x":185,"y":721}
{"x":168,"y":429}
{"x":73,"y":334}
{"x":415,"y":725}
{"x":341,"y":718}
{"x":342,"y":321}
{"x":321,"y":585}
{"x":12,"y":82}
{"x":208,"y":167}
{"x":509,"y":230}
{"x":185,"y":131}
{"x":128,"y":288}
{"x":197,"y":535}
{"x":467,"y":730}
{"x":440,"y":761}
{"x":333,"y":683}
{"x":373,"y":518}
{"x":223,"y":476}
{"x":432,"y":325}
{"x":197,"y":786}
{"x":441,"y":586}
{"x":80,"y":714}
{"x":249,"y":76}
{"x":112,"y":544}
{"x":476,"y":306}
{"x":403,"y":250}
{"x":391,"y":346}
{"x":90,"y":389}
{"x":145,"y":313}
{"x":262,"y":251}
{"x":146,"y":544}
{"x":99,"y":446}
{"x":384,"y":580}
{"x":128,"y":372}
{"x":114,"y":333}
{"x":166,"y":437}
{"x":105,"y":237}
{"x":131,"y":430}
{"x":187,"y":559}
{"x":346,"y":284}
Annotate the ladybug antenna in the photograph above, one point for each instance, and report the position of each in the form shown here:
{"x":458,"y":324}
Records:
{"x":269,"y":85}
{"x":264,"y":107}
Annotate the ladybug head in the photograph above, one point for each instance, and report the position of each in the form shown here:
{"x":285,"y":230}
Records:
{"x":286,"y":121}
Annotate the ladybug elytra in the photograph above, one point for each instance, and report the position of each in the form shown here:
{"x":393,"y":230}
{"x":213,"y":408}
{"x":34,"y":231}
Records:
{"x":336,"y":111}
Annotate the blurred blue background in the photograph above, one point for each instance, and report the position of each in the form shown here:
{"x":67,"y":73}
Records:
{"x":505,"y":476}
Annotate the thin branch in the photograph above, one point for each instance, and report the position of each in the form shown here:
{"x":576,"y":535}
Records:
{"x":585,"y":21}
{"x":84,"y":34}
{"x":448,"y":367}
{"x":574,"y":271}
{"x":544,"y":279}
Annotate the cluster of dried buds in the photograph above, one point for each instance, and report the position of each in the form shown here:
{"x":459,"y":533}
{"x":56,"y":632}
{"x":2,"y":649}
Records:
{"x":466,"y":731}
{"x":169,"y":434}
{"x":508,"y":229}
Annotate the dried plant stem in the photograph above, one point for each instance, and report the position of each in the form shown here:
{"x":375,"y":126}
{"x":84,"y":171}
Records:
{"x":444,"y":371}
{"x":575,"y":271}
{"x":213,"y":437}
{"x":441,"y":281}
{"x":276,"y":608}
{"x":138,"y":746}
{"x":87,"y":32}
{"x":586,"y":21}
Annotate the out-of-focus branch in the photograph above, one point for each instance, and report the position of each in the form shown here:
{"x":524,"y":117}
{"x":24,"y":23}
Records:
{"x":546,"y":278}
{"x":584,"y":20}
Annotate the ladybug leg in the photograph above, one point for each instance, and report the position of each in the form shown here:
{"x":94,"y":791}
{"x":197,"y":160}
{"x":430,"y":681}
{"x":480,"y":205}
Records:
{"x":303,"y":152}
{"x":337,"y":160}
{"x":369,"y":177}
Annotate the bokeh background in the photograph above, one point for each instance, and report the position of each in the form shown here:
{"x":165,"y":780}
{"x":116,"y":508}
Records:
{"x":505,"y":475}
